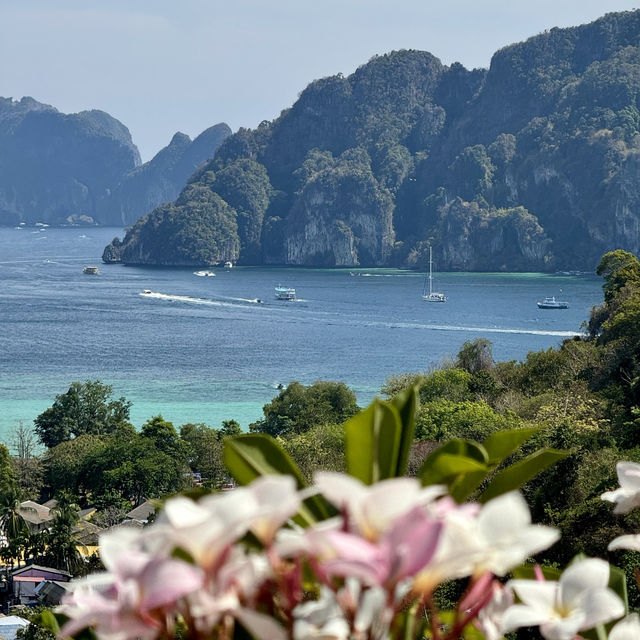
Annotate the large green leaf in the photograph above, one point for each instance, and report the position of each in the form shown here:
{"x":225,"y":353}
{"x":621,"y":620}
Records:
{"x":459,"y":464}
{"x":526,"y":572}
{"x":406,"y":402}
{"x":518,"y":474}
{"x":372,"y":442}
{"x":250,"y":456}
{"x":501,"y":444}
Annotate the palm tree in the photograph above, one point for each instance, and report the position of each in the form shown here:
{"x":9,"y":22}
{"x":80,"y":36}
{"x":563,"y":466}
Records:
{"x":62,"y":550}
{"x":12,"y":524}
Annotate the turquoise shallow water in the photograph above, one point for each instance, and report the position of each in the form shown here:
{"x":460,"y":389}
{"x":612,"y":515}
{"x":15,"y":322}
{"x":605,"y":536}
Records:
{"x":203,"y":349}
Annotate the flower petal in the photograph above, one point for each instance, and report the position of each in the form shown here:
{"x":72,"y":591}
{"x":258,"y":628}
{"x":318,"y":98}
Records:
{"x":537,"y":595}
{"x":520,"y":615}
{"x":601,"y":606}
{"x":631,"y":542}
{"x":627,"y":629}
{"x":583,"y":575}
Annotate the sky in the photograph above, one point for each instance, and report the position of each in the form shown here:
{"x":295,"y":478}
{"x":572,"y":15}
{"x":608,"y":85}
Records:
{"x":162,"y":66}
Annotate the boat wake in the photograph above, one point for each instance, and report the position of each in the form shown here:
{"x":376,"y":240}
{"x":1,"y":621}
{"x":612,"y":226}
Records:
{"x":465,"y":329}
{"x":531,"y":332}
{"x":232,"y":302}
{"x":249,"y":300}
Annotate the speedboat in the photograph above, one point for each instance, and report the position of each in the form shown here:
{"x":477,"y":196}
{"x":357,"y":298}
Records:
{"x":90,"y":270}
{"x":552,"y":303}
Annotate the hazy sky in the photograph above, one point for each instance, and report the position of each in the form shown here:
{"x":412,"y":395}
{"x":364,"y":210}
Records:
{"x":162,"y":66}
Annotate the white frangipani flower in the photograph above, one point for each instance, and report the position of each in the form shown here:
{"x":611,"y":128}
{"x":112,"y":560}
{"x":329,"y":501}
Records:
{"x":490,"y":617}
{"x":579,"y":601}
{"x":627,"y":629}
{"x":505,"y":536}
{"x":206,"y":528}
{"x":322,"y":619}
{"x":627,"y":497}
{"x":371,"y":510}
{"x":276,"y":500}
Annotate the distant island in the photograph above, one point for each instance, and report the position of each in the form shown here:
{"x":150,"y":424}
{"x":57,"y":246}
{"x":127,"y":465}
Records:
{"x":84,"y":169}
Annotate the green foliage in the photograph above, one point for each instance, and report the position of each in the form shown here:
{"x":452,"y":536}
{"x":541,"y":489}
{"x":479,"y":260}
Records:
{"x":38,"y":629}
{"x":250,"y":456}
{"x":86,"y":408}
{"x":297,"y":408}
{"x":475,"y":356}
{"x":62,"y":548}
{"x":204,"y":447}
{"x":8,"y":479}
{"x":452,"y":384}
{"x":439,"y":420}
{"x":618,"y":268}
{"x":463,"y":465}
{"x":65,"y":464}
{"x":378,"y":439}
{"x":164,"y":437}
{"x":321,"y":448}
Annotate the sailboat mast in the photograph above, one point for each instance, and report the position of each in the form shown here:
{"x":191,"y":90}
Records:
{"x":430,"y":271}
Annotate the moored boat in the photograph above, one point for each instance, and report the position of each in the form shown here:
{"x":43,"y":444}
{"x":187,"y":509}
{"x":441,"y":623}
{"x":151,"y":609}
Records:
{"x":431,"y":296}
{"x":552,"y":303}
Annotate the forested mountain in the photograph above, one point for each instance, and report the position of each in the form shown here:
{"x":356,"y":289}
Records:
{"x":532,"y":164}
{"x":84,"y":168}
{"x":54,"y":167}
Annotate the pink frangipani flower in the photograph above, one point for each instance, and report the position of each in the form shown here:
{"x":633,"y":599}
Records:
{"x":401,"y":552}
{"x":371,"y":510}
{"x":133,"y":600}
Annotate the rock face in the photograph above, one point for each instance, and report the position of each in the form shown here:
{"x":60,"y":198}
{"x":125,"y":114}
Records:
{"x":55,"y":167}
{"x":84,"y":168}
{"x":532,"y":164}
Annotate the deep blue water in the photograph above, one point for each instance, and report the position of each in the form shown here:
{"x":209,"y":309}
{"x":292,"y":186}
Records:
{"x":202,"y":348}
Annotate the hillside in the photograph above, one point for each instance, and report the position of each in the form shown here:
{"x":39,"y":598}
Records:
{"x":54,"y":167}
{"x":83,"y":168}
{"x":529,"y":165}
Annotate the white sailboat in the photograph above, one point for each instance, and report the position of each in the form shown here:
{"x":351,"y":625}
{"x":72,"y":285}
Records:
{"x":432,"y":296}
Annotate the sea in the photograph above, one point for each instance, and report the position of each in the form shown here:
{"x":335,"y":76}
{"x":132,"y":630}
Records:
{"x":208,"y":348}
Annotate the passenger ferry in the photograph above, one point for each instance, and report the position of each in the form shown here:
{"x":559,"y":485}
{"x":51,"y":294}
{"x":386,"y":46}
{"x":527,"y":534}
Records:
{"x":552,"y":303}
{"x":90,"y":270}
{"x":285,"y":293}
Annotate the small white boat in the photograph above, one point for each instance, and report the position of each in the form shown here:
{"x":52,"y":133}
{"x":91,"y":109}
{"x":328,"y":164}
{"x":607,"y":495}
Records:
{"x":228,"y":265}
{"x":431,"y":296}
{"x":552,"y":303}
{"x":285,"y":293}
{"x":146,"y":292}
{"x":204,"y":274}
{"x":90,"y":270}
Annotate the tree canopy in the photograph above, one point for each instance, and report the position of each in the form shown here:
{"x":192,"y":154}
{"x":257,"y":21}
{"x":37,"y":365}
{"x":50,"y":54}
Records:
{"x":86,"y":408}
